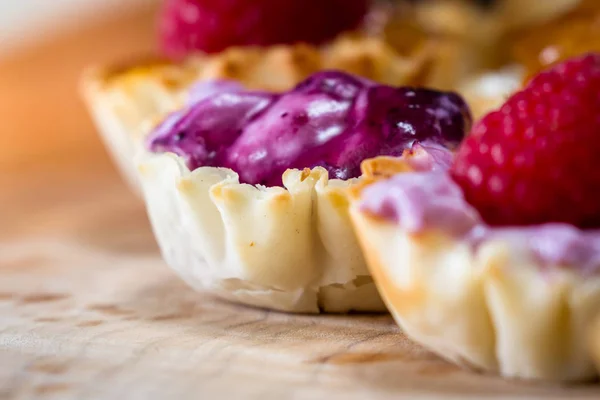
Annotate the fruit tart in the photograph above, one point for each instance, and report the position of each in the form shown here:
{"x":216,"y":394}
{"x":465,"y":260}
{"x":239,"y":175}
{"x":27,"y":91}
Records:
{"x":246,"y":189}
{"x":491,"y":258}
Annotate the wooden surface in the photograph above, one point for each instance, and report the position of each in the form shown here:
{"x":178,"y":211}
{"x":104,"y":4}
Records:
{"x":89,"y":311}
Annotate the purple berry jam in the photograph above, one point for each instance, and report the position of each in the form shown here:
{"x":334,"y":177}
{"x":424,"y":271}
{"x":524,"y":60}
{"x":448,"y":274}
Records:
{"x":332,"y":119}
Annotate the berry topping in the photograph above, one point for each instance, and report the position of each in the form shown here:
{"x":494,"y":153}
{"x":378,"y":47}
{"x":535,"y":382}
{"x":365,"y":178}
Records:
{"x":536,"y":159}
{"x":418,"y":201}
{"x":213,"y":25}
{"x":332,"y":119}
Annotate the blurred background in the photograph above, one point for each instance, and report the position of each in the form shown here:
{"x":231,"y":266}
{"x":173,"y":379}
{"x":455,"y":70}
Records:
{"x":44,"y":46}
{"x":54,"y":171}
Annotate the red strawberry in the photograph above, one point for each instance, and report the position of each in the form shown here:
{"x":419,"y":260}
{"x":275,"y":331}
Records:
{"x":213,"y":25}
{"x":537,"y":159}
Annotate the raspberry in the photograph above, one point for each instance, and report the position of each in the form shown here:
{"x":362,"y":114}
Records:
{"x":536,"y":159}
{"x":213,"y":25}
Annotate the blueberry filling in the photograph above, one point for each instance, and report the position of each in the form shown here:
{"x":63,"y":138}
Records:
{"x":332,"y":119}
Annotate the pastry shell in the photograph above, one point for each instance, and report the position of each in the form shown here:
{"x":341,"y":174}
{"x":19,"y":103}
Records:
{"x":493,"y":309}
{"x":127,"y":101}
{"x":289,"y":249}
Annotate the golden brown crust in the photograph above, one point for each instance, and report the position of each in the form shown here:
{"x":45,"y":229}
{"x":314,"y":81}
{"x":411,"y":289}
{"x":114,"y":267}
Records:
{"x":384,"y":166}
{"x":380,"y":168}
{"x":148,"y":61}
{"x":277,"y":67}
{"x":171,"y":75}
{"x":489,"y":309}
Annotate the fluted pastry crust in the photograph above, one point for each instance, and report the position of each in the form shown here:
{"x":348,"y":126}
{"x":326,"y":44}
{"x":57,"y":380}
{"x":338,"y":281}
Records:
{"x":289,"y":249}
{"x":493,"y":308}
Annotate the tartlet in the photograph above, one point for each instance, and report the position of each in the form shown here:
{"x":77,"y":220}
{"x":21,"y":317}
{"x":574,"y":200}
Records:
{"x":480,"y":302}
{"x":492,"y":259}
{"x":126,"y":101}
{"x":283,"y":242}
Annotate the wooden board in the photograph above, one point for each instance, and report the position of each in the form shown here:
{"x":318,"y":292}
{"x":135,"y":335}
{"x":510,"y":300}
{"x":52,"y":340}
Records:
{"x":89,"y":311}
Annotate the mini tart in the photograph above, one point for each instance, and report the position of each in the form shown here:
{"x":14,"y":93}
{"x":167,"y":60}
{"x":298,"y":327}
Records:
{"x":285,"y":241}
{"x":289,"y":249}
{"x":492,"y":307}
{"x":127,"y":101}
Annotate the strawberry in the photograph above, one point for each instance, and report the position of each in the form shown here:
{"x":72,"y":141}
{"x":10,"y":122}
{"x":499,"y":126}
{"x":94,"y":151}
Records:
{"x":535,"y":160}
{"x":213,"y":25}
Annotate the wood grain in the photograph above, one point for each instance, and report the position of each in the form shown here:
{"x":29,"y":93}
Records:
{"x":89,"y":311}
{"x":85,"y":321}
